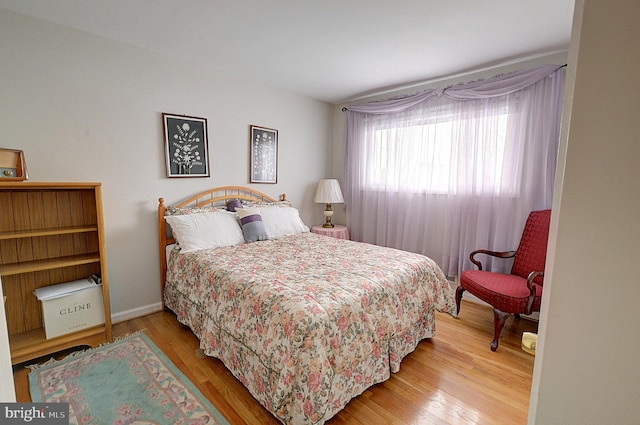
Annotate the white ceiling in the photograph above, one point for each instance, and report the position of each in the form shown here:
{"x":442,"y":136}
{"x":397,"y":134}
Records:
{"x":331,"y":50}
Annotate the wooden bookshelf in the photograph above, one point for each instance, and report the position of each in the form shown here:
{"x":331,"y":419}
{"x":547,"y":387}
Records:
{"x":50,"y":233}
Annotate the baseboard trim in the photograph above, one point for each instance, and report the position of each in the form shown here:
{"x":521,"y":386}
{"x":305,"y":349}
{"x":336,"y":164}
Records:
{"x":136,"y":312}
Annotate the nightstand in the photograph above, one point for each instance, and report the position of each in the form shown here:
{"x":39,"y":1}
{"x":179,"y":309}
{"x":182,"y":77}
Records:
{"x":337,"y":231}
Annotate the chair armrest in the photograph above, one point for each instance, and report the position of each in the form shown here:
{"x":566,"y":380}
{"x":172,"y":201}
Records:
{"x":532,"y":290}
{"x":499,"y":254}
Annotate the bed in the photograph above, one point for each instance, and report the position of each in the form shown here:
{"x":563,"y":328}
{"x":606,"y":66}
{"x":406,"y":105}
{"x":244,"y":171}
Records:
{"x":306,"y":322}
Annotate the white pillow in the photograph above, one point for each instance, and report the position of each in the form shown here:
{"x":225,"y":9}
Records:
{"x":281,"y":221}
{"x":205,"y":230}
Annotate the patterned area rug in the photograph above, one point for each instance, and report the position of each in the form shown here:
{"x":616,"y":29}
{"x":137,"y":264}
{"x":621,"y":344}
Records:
{"x":129,"y":381}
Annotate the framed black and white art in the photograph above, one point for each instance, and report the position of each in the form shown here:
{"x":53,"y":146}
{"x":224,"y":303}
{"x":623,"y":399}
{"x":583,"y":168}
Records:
{"x":186,"y":146}
{"x":264,"y":155}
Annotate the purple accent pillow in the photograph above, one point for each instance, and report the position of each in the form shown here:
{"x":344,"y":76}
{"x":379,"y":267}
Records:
{"x":252,"y":226}
{"x":233,"y":204}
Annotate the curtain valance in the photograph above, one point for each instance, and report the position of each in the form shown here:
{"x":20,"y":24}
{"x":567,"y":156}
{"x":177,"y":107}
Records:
{"x":499,"y":85}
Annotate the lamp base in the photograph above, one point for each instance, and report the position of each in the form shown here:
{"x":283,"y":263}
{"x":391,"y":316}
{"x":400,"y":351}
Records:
{"x":328,"y":212}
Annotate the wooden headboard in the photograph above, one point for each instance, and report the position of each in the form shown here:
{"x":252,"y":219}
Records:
{"x":216,"y":197}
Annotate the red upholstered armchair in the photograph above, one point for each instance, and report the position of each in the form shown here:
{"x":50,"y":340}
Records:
{"x":520,"y":291}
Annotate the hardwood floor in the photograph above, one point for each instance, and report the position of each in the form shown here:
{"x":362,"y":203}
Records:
{"x":453,"y":378}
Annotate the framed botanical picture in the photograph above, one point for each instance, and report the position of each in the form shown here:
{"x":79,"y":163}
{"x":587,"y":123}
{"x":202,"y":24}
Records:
{"x":264,"y":155}
{"x":186,"y":146}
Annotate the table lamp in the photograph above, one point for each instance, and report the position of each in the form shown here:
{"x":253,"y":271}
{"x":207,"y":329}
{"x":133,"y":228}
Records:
{"x":328,"y":192}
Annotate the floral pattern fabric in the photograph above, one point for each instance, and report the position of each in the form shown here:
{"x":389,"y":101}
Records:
{"x":307,"y":322}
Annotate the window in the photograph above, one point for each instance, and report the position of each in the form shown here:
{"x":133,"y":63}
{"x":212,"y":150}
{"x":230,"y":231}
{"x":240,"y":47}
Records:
{"x":448,"y":170}
{"x":422,"y":155}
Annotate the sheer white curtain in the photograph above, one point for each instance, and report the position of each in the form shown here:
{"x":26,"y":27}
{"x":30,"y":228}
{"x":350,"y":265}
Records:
{"x":451,"y":170}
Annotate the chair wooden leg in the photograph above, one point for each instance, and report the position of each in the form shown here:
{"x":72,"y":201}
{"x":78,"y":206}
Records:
{"x":459,"y":291}
{"x":499,"y":319}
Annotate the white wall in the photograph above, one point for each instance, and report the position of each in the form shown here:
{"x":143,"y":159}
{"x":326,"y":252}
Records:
{"x":587,"y":369}
{"x":85,"y":108}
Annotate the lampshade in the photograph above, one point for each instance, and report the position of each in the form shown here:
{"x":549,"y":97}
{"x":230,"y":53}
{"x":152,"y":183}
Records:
{"x":328,"y":192}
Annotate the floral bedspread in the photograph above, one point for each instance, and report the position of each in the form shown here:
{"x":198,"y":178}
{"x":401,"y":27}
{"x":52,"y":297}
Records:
{"x":307,"y":322}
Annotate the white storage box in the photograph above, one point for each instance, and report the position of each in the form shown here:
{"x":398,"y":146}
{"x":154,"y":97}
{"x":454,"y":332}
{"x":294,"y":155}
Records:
{"x":71,"y":306}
